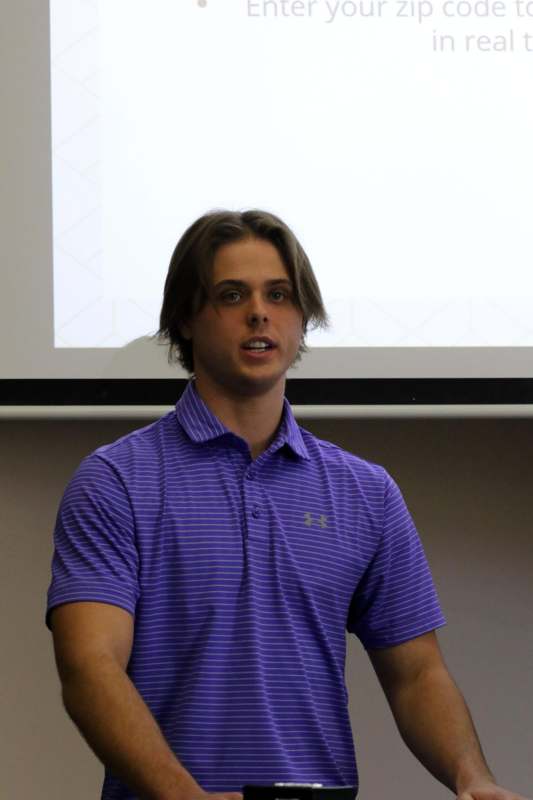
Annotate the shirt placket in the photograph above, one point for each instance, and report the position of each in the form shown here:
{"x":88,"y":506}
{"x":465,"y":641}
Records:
{"x":254,"y":511}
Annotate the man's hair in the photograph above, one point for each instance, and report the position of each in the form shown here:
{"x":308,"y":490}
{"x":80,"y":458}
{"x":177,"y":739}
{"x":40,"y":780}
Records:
{"x":187,"y":286}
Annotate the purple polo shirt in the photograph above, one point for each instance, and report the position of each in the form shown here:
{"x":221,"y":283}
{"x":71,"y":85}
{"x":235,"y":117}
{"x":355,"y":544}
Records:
{"x":243,"y":577}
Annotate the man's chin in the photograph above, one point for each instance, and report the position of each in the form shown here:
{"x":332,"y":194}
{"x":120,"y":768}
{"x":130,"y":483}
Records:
{"x":255,"y":385}
{"x":243,"y":379}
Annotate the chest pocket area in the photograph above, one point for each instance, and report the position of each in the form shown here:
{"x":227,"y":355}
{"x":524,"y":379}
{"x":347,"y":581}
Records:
{"x":317,"y":562}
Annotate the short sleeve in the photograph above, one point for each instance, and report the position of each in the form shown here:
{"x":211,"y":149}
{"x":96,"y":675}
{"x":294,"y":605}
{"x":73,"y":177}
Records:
{"x":95,"y":556}
{"x":396,"y":599}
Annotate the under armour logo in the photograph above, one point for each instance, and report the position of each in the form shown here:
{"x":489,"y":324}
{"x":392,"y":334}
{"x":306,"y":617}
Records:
{"x":321,"y":521}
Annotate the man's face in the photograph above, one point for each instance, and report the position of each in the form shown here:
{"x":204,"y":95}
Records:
{"x":250,"y":306}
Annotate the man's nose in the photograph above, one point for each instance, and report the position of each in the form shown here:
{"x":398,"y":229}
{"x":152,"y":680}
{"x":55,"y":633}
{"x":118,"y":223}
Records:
{"x":257,"y":311}
{"x":256,"y":318}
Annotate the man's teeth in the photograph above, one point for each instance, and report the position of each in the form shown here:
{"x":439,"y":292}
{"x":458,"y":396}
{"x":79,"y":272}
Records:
{"x":257,"y":346}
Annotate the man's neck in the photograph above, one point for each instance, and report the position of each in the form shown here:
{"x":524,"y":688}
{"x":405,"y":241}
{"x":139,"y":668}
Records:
{"x":253,"y":417}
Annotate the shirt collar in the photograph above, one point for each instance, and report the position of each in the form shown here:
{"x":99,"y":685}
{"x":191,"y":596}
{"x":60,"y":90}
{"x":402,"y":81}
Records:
{"x":201,"y":425}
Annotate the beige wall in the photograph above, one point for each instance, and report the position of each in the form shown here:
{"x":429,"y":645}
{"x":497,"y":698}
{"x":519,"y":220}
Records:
{"x":468,"y":485}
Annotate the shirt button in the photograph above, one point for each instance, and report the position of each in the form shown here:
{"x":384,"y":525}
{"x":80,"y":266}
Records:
{"x":250,"y":476}
{"x":256,"y":512}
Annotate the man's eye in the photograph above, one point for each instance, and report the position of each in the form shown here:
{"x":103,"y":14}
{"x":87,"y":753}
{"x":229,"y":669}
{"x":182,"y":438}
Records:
{"x":231,"y":297}
{"x":278,"y":294}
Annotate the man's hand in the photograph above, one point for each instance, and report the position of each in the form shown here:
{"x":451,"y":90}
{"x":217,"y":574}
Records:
{"x":488,"y":791}
{"x":224,"y":796}
{"x":219,"y":796}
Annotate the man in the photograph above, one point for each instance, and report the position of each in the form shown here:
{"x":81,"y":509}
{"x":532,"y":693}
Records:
{"x":208,"y":565}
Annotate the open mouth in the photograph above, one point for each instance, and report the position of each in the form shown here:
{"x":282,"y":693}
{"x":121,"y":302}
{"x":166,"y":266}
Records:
{"x":258,"y":346}
{"x":259,"y":352}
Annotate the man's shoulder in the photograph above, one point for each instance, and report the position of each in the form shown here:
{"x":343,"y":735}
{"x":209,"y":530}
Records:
{"x":131,"y":465}
{"x":335,"y":457}
{"x":139,"y":447}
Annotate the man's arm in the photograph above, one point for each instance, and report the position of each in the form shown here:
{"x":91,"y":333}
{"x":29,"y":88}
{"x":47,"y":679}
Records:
{"x":433,"y":718}
{"x":92,"y":644}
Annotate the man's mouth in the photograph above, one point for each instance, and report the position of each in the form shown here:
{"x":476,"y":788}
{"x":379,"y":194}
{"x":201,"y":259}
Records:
{"x":258,"y":344}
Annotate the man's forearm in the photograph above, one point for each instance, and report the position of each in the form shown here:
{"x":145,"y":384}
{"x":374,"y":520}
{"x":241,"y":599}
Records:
{"x":436,"y":725}
{"x":117,"y":724}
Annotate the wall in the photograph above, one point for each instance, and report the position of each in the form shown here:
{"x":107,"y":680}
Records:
{"x":468,"y":485}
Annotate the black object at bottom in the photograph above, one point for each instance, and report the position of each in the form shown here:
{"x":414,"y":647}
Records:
{"x":300,"y":391}
{"x":298,"y":791}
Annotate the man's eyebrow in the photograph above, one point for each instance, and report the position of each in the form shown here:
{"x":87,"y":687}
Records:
{"x":243,"y":284}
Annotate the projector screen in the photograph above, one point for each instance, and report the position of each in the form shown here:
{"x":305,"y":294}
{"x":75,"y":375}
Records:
{"x":393,"y":136}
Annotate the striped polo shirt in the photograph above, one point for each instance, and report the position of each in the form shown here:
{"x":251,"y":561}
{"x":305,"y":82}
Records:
{"x":243,"y":576}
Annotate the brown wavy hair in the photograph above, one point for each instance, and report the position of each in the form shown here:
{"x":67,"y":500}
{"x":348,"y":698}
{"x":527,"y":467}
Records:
{"x":189,"y":274}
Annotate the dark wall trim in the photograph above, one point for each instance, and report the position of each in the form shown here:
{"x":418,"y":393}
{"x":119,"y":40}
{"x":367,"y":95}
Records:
{"x":300,"y":391}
